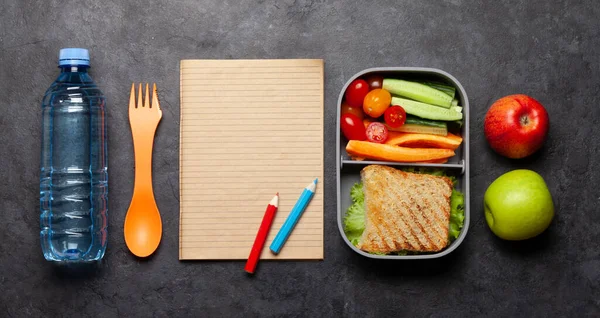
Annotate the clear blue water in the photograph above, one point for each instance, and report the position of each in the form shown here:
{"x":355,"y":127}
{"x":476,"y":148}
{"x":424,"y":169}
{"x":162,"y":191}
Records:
{"x":73,"y":180}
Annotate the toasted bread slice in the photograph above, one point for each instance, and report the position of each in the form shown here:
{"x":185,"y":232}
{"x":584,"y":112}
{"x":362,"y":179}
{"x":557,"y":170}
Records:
{"x":404,"y":211}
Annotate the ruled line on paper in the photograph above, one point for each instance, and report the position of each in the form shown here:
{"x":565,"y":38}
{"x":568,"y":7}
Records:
{"x":237,"y":186}
{"x":246,"y":247}
{"x":236,"y":163}
{"x":249,"y":128}
{"x":250,"y":157}
{"x":250,"y":234}
{"x":222,"y":67}
{"x":251,"y":211}
{"x":242,"y":213}
{"x":244,"y":116}
{"x":224,"y":209}
{"x":247,"y":119}
{"x":237,"y":79}
{"x":234,"y":207}
{"x":227,"y":104}
{"x":300,"y":92}
{"x":233,"y":141}
{"x":293,"y":85}
{"x":253,"y":100}
{"x":224,"y":134}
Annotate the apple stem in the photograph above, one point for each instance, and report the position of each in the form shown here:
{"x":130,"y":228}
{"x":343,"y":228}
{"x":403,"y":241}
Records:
{"x":524,"y":120}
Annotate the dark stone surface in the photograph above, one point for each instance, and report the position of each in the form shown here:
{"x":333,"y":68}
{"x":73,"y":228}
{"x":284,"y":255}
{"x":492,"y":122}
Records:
{"x":547,"y":49}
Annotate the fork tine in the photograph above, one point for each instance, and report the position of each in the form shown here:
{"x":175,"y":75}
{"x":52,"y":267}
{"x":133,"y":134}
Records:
{"x":155,"y":97}
{"x":132,"y":96}
{"x":139,"y":99}
{"x":147,"y":99}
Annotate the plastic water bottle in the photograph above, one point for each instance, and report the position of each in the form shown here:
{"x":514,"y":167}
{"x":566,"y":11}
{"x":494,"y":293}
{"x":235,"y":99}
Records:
{"x":73,"y":181}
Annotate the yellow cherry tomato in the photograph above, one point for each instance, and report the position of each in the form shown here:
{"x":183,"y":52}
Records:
{"x":376,"y":102}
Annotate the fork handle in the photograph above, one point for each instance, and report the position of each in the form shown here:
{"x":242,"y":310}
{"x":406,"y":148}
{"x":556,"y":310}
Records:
{"x":143,"y":142}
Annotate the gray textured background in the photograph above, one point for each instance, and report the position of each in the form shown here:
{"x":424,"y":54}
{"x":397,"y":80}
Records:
{"x":547,"y":49}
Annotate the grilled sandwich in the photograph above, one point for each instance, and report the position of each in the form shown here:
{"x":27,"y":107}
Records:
{"x":404,"y":211}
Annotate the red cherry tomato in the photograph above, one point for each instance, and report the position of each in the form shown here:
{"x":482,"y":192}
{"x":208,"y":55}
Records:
{"x":377,"y":132}
{"x":374,"y":81}
{"x":395,"y":116}
{"x":352,"y":127}
{"x":358,"y":111}
{"x":356,"y":92}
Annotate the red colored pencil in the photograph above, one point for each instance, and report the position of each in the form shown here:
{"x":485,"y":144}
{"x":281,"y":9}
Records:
{"x":261,"y":236}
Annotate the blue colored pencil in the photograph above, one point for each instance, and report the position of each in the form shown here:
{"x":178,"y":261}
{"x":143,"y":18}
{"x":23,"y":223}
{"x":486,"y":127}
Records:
{"x":293,"y":217}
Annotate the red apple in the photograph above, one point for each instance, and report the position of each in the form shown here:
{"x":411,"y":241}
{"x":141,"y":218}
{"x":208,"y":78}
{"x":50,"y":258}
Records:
{"x":516,"y":126}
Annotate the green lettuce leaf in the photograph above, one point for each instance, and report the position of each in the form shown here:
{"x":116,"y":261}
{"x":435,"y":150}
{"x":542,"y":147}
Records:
{"x":354,"y":221}
{"x":457,"y":214}
{"x":357,"y":194}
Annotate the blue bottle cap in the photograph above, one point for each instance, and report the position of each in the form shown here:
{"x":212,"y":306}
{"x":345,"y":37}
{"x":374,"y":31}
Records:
{"x":74,"y":56}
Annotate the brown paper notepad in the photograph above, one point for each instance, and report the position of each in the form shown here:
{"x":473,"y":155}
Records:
{"x":249,"y":129}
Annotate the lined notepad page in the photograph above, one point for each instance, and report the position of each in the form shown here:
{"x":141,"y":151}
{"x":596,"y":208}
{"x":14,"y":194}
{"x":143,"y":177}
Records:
{"x":249,"y":129}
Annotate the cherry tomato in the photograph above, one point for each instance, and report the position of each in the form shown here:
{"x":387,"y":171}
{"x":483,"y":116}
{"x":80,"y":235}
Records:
{"x":374,"y":81}
{"x":355,"y":93}
{"x":395,"y":116}
{"x":347,"y":109}
{"x":377,"y":132}
{"x":352,"y":127}
{"x":376,"y":102}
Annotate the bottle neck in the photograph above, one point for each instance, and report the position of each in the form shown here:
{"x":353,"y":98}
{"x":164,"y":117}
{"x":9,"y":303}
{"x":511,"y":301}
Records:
{"x":73,"y":68}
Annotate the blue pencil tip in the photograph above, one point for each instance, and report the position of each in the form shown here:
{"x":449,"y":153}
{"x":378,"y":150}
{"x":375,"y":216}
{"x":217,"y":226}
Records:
{"x":316,"y":180}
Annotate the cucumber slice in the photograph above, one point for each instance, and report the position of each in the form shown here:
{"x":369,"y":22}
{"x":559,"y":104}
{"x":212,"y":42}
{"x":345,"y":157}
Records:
{"x":417,"y":91}
{"x":454,"y":102}
{"x":427,"y":111}
{"x":425,"y":122}
{"x":421,"y":129}
{"x":447,"y":89}
{"x":456,"y":109}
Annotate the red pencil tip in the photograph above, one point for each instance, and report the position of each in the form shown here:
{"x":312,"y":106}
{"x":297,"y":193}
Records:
{"x":277,"y":194}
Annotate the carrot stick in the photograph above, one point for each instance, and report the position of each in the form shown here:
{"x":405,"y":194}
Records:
{"x":412,"y":140}
{"x":385,"y":152}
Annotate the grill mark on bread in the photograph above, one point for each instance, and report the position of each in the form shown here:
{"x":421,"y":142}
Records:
{"x":428,"y":214}
{"x":395,"y":227}
{"x":388,"y":223}
{"x":392,"y":226}
{"x":411,"y":215}
{"x":376,"y":243}
{"x":408,"y":241}
{"x":420,"y":219}
{"x":436,"y":220}
{"x":405,"y":239}
{"x":432,"y":200}
{"x":419,"y":211}
{"x":441,"y":215}
{"x":384,"y":225}
{"x":385,"y":205}
{"x":447,"y":204}
{"x":408,"y":236}
{"x":378,"y":240}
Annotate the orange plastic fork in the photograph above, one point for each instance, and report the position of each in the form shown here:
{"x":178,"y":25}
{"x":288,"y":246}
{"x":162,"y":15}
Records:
{"x":143,"y":226}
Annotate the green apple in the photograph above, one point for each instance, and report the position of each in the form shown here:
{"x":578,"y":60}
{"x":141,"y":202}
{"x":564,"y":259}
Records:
{"x":518,"y":205}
